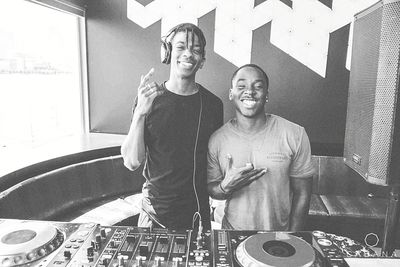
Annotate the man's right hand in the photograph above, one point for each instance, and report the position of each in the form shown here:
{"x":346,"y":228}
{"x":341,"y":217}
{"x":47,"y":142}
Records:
{"x":236,"y":178}
{"x":146,"y":93}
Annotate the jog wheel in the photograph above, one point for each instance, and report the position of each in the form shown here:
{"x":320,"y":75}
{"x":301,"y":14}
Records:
{"x":25,"y":242}
{"x":274,"y":249}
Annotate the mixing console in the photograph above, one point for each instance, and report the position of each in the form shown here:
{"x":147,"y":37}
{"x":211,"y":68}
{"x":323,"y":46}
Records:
{"x":60,"y":244}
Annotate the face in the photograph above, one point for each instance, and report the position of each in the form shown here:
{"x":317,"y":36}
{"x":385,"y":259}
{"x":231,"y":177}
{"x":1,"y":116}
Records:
{"x":249,"y":92}
{"x":186,"y":55}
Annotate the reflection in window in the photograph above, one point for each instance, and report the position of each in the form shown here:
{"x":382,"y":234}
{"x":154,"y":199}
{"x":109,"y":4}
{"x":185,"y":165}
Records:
{"x":40,"y":94}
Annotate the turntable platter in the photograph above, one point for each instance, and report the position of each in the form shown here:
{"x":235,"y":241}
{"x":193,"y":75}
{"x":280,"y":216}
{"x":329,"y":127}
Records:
{"x":27,"y":241}
{"x":274,"y":249}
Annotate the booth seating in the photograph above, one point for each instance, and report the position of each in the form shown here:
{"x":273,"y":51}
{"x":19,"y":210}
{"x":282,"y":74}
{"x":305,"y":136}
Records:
{"x":102,"y":190}
{"x":99,"y":190}
{"x":344,"y":203}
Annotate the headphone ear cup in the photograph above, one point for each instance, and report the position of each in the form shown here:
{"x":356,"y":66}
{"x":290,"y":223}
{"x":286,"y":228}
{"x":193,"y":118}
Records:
{"x":165,"y":52}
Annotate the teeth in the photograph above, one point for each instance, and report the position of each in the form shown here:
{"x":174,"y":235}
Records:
{"x":249,"y":103}
{"x":186,"y":64}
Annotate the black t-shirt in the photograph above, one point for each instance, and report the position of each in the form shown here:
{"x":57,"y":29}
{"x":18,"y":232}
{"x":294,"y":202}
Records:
{"x":170,"y":138}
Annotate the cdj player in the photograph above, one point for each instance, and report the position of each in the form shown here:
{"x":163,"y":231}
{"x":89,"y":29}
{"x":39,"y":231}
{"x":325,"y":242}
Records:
{"x":45,"y":243}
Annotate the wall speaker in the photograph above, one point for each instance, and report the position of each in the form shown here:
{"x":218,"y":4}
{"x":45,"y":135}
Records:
{"x":372,"y":138}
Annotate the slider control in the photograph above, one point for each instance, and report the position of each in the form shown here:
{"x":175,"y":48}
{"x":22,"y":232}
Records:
{"x":176,"y":261}
{"x":121,"y":260}
{"x":158,"y":261}
{"x":139,"y":261}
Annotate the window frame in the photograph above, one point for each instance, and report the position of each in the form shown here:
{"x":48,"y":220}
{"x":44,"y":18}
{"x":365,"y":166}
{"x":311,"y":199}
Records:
{"x":80,"y":13}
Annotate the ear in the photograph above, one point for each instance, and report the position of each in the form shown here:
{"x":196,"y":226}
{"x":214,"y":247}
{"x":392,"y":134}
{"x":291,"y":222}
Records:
{"x":202,"y":63}
{"x":230,"y":94}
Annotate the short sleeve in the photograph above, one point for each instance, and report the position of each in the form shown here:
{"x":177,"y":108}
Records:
{"x":302,"y":166}
{"x":214,"y":173}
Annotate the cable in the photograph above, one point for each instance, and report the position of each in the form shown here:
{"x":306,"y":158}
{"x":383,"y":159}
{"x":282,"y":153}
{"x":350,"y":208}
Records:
{"x":197,"y":213}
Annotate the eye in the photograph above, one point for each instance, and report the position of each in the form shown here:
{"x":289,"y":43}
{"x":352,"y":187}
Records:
{"x":197,"y":51}
{"x":259,"y":86}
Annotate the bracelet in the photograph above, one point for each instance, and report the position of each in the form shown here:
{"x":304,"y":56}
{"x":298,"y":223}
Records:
{"x":222,"y":190}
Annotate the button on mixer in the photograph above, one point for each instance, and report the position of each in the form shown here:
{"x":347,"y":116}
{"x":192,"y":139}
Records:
{"x":67,"y":254}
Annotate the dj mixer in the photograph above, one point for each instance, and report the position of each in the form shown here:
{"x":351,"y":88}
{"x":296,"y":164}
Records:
{"x":60,"y":244}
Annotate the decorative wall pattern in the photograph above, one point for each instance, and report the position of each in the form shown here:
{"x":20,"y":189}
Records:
{"x":302,"y":31}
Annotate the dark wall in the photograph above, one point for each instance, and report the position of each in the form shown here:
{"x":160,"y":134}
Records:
{"x":119,"y":51}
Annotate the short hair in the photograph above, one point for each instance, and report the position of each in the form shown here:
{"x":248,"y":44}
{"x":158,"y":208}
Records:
{"x":188,"y":27}
{"x":254,"y":66}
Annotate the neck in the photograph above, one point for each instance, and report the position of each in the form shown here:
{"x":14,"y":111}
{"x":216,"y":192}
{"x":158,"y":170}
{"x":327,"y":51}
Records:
{"x":250,"y":125}
{"x":182,"y":86}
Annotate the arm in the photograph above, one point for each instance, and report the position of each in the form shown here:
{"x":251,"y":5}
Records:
{"x":235,"y":178}
{"x":215,"y":191}
{"x":133,"y":148}
{"x":301,"y":188}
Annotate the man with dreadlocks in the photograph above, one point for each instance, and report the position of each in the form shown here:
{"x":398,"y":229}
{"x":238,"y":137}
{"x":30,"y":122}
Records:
{"x":169,"y":132}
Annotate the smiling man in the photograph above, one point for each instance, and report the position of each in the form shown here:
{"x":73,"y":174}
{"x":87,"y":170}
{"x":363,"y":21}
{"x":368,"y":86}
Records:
{"x":169,"y":132}
{"x":260,"y":163}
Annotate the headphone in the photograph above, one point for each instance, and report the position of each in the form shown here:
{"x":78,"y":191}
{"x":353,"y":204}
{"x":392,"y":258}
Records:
{"x":166,"y":45}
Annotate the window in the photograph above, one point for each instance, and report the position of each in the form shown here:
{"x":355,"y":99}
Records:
{"x":40,"y":75}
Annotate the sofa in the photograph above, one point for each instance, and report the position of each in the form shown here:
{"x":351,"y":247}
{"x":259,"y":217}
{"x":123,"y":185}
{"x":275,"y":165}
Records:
{"x":74,"y":192}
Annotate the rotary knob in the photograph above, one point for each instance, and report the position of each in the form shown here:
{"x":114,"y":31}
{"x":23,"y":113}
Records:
{"x":30,"y":256}
{"x":199,"y":258}
{"x":90,"y":252}
{"x":105,"y":261}
{"x":18,"y":260}
{"x":50,"y":247}
{"x":6,"y":262}
{"x":98,"y":242}
{"x":41,"y":252}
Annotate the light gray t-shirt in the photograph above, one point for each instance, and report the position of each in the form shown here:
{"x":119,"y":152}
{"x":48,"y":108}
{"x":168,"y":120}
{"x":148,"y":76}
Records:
{"x":283,"y":148}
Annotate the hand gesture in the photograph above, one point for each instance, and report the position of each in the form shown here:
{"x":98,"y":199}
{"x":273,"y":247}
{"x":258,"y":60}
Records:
{"x":236,"y":178}
{"x":146,"y":93}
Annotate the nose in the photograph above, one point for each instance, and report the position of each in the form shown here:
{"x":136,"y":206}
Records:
{"x":249,"y":90}
{"x":188,"y":52}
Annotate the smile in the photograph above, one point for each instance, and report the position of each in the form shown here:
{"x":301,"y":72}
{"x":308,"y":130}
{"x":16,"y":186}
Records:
{"x":249,"y":103}
{"x":186,"y":64}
